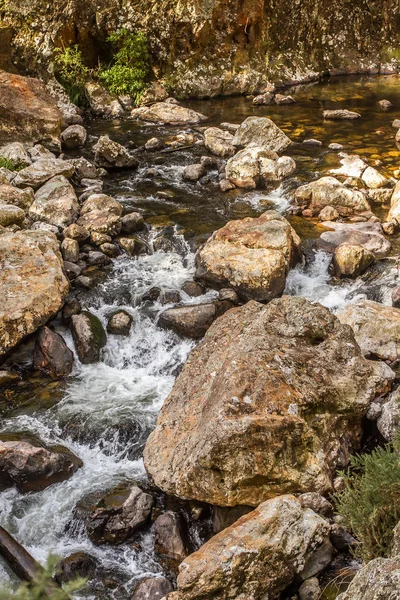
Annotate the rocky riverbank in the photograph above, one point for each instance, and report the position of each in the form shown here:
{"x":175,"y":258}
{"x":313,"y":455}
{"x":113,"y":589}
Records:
{"x":260,"y":414}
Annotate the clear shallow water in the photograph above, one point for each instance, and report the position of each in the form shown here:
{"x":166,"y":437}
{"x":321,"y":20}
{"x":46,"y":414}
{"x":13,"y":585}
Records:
{"x":106,"y":411}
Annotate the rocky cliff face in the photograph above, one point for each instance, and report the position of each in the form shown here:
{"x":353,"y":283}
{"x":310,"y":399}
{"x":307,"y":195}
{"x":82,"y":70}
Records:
{"x":211,"y":47}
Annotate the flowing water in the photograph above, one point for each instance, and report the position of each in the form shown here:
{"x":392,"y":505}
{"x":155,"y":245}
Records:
{"x":104,"y":412}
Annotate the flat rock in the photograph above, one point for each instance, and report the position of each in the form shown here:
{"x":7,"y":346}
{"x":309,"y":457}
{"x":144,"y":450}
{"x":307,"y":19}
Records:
{"x":32,"y":284}
{"x":252,"y":256}
{"x":41,"y":171}
{"x":260,"y":406}
{"x":368,"y":235}
{"x":351,"y":166}
{"x":170,"y":114}
{"x":328,"y":191}
{"x":261,"y":132}
{"x":55,"y":203}
{"x":340,"y":114}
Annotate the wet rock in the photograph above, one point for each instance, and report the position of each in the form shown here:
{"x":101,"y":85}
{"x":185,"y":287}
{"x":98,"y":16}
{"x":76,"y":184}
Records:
{"x":281,"y":99}
{"x":256,"y":166}
{"x":41,"y":171}
{"x":194,"y":172}
{"x":120,"y":323}
{"x":328,"y":213}
{"x":193,"y":320}
{"x":132,"y":223}
{"x":351,"y":260}
{"x":11,"y":215}
{"x":115,"y":517}
{"x":255,"y":410}
{"x":12,"y":195}
{"x":29,"y":113}
{"x":55,"y":203}
{"x":70,"y":250}
{"x":377,"y":580}
{"x":72,"y":307}
{"x":51,"y":354}
{"x":310,"y":589}
{"x":267,"y":549}
{"x":376,"y":328}
{"x":368,"y":235}
{"x":229,"y":295}
{"x":388,"y":422}
{"x":252,"y":256}
{"x":193,"y":288}
{"x":340,"y":114}
{"x":16,"y":154}
{"x":76,"y":232}
{"x":97,"y":258}
{"x":152,"y":588}
{"x":328,"y":191}
{"x":170,"y":297}
{"x":102,"y":214}
{"x":261,"y":132}
{"x":72,"y":270}
{"x":111,"y":155}
{"x":110,"y":250}
{"x":317,"y":503}
{"x":373,"y":179}
{"x":89,"y":336}
{"x":219,"y":142}
{"x":30,"y":467}
{"x":168,"y":540}
{"x":73,"y":137}
{"x":394,"y":212}
{"x":170,"y":114}
{"x":32,"y":284}
{"x":154,"y":144}
{"x":385,"y":104}
{"x":152,"y":295}
{"x":318,"y":561}
{"x":79,"y":564}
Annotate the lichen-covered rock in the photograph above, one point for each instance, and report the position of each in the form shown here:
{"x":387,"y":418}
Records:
{"x":11,"y":215}
{"x":256,"y":166}
{"x":28,"y":112}
{"x":368,"y":235}
{"x":170,"y":114}
{"x":12,"y":195}
{"x":32,"y":284}
{"x":351,"y":260}
{"x":101,"y":214}
{"x":111,"y":155}
{"x":261,"y":132}
{"x":260,"y":407}
{"x":73,"y":136}
{"x":16,"y":154}
{"x":55,"y":203}
{"x":89,"y":336}
{"x":376,"y":328}
{"x":377,"y":580}
{"x":257,"y":557}
{"x":41,"y":171}
{"x":219,"y":142}
{"x":340,"y":114}
{"x":252,"y":256}
{"x":328,"y":191}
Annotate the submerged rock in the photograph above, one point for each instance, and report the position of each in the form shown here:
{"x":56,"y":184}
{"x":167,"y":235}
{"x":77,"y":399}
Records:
{"x":55,"y":203}
{"x":89,"y":336}
{"x":341,"y":114}
{"x":51,"y":354}
{"x":32,"y":284}
{"x":31,"y":467}
{"x":257,"y":557}
{"x":261,"y":132}
{"x":111,"y":155}
{"x":252,"y":256}
{"x":328,"y":191}
{"x":170,"y":114}
{"x":261,"y":404}
{"x":376,"y":328}
{"x":256,"y":166}
{"x":378,"y":580}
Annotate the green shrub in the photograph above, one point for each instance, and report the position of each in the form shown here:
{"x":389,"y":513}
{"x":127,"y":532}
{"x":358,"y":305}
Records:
{"x":7,"y":164}
{"x":37,"y":589}
{"x":72,"y":73}
{"x":370,"y":501}
{"x":130,"y":68}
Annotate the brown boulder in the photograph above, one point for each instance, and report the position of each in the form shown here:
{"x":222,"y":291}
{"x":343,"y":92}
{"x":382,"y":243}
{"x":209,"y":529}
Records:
{"x":193,"y":320}
{"x":51,"y":354}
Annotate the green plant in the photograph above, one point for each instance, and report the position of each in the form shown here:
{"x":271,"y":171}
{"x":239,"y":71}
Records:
{"x":370,"y":501}
{"x":7,"y":164}
{"x":72,"y":73}
{"x":43,"y":588}
{"x":130,"y":68}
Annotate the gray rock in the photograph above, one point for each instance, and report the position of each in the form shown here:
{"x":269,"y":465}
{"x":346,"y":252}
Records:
{"x":41,"y":171}
{"x":317,"y":503}
{"x":168,"y":540}
{"x":310,"y":589}
{"x":73,"y":137}
{"x":219,"y":142}
{"x":369,"y":235}
{"x":389,"y":421}
{"x":12,"y":195}
{"x":193,"y":288}
{"x":55,"y":203}
{"x":70,"y":250}
{"x":194,"y":172}
{"x":111,"y":155}
{"x":377,"y":580}
{"x":318,"y":561}
{"x":132,"y":222}
{"x":11,"y":215}
{"x":340,"y":114}
{"x":166,"y":112}
{"x":120,"y":323}
{"x":261,"y":132}
{"x":16,"y":154}
{"x":193,"y":320}
{"x":89,"y":336}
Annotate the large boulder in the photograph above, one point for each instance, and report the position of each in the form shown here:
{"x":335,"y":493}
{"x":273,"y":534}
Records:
{"x":55,"y":203}
{"x":219,"y":142}
{"x":261,"y":132}
{"x":32,"y":284}
{"x":253,"y":256}
{"x":257,"y":557}
{"x":378,"y":580}
{"x":261,"y":405}
{"x":89,"y":336}
{"x":368,"y":235}
{"x":328,"y":191}
{"x":111,"y":155}
{"x":42,"y":170}
{"x":257,"y":166}
{"x":170,"y":114}
{"x":376,"y":328}
{"x":101,"y":214}
{"x":29,"y":466}
{"x":28,"y":112}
